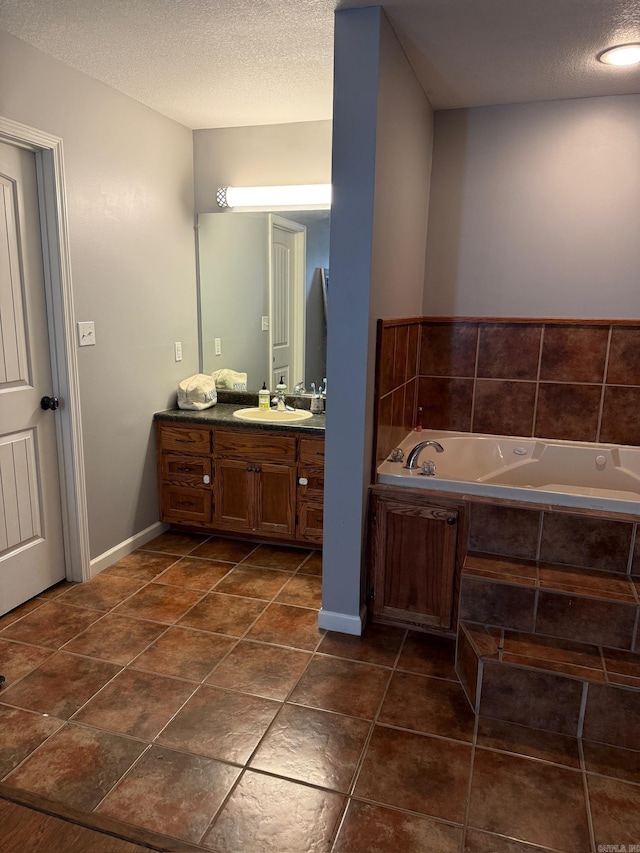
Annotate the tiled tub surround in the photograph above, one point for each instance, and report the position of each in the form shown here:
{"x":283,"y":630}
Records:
{"x":239,"y":727}
{"x":574,"y":380}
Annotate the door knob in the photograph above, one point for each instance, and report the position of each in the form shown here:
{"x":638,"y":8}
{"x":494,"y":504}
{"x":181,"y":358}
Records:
{"x":49,"y":403}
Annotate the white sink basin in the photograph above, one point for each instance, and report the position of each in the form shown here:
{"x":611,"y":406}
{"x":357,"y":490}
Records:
{"x":271,"y":416}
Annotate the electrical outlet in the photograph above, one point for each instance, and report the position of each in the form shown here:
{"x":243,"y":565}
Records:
{"x":265,"y":324}
{"x":218,"y":347}
{"x":86,"y":334}
{"x":177,"y":349}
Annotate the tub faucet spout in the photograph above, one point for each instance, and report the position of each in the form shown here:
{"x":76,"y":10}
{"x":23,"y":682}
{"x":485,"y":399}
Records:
{"x":412,"y":458}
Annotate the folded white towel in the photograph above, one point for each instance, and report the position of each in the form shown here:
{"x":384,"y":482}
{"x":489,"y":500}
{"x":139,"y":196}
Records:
{"x":230,"y":380}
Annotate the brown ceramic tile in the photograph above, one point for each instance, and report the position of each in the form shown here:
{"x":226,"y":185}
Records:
{"x":277,"y":815}
{"x":587,"y":581}
{"x":377,"y":644}
{"x":223,"y":614}
{"x":528,"y":742}
{"x":277,"y":557}
{"x":61,"y":685}
{"x":494,"y":603}
{"x":574,"y":353}
{"x":159,"y":602}
{"x":428,"y":654}
{"x":484,"y":641}
{"x":529,"y":801}
{"x":384,"y":440}
{"x":623,"y":680}
{"x":20,"y":733}
{"x":468,"y":665}
{"x":313,"y":746}
{"x":409,"y":416}
{"x":550,"y":649}
{"x":20,"y":611}
{"x":587,"y":620}
{"x":56,"y":590}
{"x":253,"y":582}
{"x":185,"y":653}
{"x":259,"y":669}
{"x":285,"y":625}
{"x":508,"y":568}
{"x":554,"y":666}
{"x":136,"y":703}
{"x":446,"y":403}
{"x":504,"y":408}
{"x":220,"y":724}
{"x":615,"y":810}
{"x":448,"y":349}
{"x":622,"y":663}
{"x":17,"y":659}
{"x":508,"y":351}
{"x":373,"y":829}
{"x":612,"y":716}
{"x":624,"y":357}
{"x":398,"y":431}
{"x":103,"y":592}
{"x":620,"y":416}
{"x":568,"y":412}
{"x":429,"y":705}
{"x":173,"y":542}
{"x":115,"y":638}
{"x":486,"y":842}
{"x":400,"y":356}
{"x":194,"y":574}
{"x":348,"y":687}
{"x":303,"y":591}
{"x":612,"y":761}
{"x":504,"y":530}
{"x":225,"y":550}
{"x":532,"y":698}
{"x":635,"y":564}
{"x":142,"y":565}
{"x":413,"y":350}
{"x":592,"y":543}
{"x":171,"y":793}
{"x":417,"y":773}
{"x":51,"y":625}
{"x":386,"y":355}
{"x":312,"y":565}
{"x":77,"y":766}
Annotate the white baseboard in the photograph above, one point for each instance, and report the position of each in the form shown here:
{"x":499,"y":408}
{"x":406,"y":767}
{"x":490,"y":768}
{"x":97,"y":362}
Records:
{"x":342,"y":622}
{"x":127,"y":547}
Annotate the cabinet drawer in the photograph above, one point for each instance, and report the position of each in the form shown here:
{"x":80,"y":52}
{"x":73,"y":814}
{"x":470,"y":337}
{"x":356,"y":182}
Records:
{"x":255,"y":446}
{"x":186,"y":470}
{"x":310,"y":520}
{"x":185,"y":439}
{"x":312,"y":451}
{"x":186,"y":506}
{"x":311,"y":483}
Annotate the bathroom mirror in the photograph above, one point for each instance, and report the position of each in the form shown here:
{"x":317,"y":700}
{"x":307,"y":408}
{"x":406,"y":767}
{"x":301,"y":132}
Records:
{"x":261,"y":295}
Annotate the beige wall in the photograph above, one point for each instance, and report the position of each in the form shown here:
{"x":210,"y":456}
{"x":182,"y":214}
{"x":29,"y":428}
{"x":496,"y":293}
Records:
{"x":535,"y":209}
{"x":130,"y":204}
{"x":267,"y":155}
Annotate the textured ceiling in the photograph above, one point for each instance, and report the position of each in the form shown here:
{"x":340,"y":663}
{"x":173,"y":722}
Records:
{"x":217,"y":63}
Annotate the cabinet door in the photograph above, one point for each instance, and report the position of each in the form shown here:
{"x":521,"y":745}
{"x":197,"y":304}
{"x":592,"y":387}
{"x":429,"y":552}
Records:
{"x":182,"y":505}
{"x":234,"y":505}
{"x":275,"y":494}
{"x":414,"y":554}
{"x":310,"y":521}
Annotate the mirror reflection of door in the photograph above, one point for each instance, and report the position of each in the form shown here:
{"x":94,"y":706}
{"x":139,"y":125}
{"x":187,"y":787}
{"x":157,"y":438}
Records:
{"x":286,"y":301}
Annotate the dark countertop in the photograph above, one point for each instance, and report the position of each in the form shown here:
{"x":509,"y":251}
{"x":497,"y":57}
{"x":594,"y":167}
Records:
{"x":222,"y":415}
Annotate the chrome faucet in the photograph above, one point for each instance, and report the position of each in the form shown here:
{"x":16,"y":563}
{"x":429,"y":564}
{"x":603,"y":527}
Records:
{"x":412,"y":458}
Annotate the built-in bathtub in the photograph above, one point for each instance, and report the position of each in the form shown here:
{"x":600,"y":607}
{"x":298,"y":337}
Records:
{"x":559,"y":473}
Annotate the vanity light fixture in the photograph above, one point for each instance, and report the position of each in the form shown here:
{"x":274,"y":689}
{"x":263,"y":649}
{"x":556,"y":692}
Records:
{"x":301,"y":196}
{"x":623,"y":54}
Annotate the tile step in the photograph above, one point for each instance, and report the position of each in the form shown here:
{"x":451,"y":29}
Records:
{"x":568,"y":687}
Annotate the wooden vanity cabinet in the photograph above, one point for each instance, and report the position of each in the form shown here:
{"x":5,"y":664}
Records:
{"x":310,"y":489}
{"x":417,"y":550}
{"x":185,"y":474}
{"x":255,"y":482}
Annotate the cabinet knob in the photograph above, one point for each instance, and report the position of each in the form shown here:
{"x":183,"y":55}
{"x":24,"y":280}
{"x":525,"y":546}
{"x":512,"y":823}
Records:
{"x":206,"y":479}
{"x":249,"y":469}
{"x":451,"y":520}
{"x":303,"y":481}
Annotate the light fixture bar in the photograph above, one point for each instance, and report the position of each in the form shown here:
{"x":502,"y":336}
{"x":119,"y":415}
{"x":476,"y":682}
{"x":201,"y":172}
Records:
{"x":285,"y":197}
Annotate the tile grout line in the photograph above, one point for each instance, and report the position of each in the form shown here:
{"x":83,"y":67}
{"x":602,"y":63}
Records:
{"x":538,"y":374}
{"x":604,"y":384}
{"x":474,"y":385}
{"x":587,"y":800}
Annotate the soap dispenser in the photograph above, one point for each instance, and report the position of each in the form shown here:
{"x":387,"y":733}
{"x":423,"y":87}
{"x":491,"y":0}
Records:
{"x":281,"y":386}
{"x":264,"y":397}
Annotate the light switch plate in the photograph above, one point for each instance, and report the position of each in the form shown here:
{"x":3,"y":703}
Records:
{"x":177,"y":350}
{"x":265,"y":324}
{"x":86,"y":334}
{"x":217,"y":346}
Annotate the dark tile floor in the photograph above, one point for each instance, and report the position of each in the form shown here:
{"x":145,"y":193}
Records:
{"x":187,"y":692}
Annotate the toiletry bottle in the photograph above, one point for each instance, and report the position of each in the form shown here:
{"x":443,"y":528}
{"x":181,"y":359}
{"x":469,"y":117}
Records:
{"x":281,"y":386}
{"x":264,"y":397}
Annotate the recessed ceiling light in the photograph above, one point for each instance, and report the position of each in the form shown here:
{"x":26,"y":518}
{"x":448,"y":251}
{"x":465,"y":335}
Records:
{"x":624,"y":54}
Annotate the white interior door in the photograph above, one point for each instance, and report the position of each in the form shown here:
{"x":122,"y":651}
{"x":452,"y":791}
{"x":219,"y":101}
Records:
{"x":31,"y":543}
{"x":287,"y":301}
